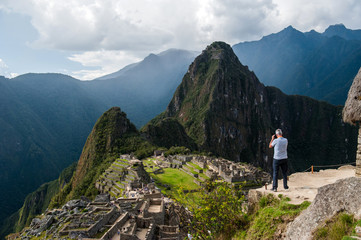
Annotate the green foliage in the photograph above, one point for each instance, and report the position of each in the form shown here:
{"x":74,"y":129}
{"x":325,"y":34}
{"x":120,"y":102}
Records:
{"x":336,"y":228}
{"x":272,"y":214}
{"x":176,"y":150}
{"x":267,"y":200}
{"x":218,"y":213}
{"x":167,"y":132}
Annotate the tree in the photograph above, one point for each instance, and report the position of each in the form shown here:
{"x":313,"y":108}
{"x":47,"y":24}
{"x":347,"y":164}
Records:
{"x":219,"y":213}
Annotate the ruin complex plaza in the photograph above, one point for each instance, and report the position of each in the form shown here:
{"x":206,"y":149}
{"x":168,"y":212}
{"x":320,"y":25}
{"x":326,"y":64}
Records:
{"x":130,"y":205}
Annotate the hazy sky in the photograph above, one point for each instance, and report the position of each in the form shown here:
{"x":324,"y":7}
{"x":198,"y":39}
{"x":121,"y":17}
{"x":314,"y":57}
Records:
{"x":90,"y":38}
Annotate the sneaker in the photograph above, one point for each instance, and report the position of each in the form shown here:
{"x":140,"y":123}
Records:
{"x":274,"y":189}
{"x":287,"y":189}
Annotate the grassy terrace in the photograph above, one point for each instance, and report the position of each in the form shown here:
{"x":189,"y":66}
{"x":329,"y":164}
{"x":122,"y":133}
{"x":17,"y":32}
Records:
{"x":203,"y":175}
{"x":176,"y":181}
{"x":190,"y":169}
{"x":195,"y":166}
{"x":172,"y":181}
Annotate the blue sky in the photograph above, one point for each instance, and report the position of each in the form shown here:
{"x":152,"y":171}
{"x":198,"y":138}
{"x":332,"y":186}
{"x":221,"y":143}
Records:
{"x":90,"y":38}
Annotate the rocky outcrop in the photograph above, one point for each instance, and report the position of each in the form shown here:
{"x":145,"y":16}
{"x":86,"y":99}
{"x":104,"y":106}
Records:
{"x":344,"y":195}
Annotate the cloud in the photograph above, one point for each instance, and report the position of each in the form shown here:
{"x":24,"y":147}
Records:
{"x":143,"y":25}
{"x":5,"y":71}
{"x":104,"y":62}
{"x":92,"y":25}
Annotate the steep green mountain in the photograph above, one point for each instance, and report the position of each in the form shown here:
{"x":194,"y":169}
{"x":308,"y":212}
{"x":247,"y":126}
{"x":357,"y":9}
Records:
{"x":319,"y":65}
{"x":45,"y":118}
{"x":112,"y":134}
{"x":226,"y":110}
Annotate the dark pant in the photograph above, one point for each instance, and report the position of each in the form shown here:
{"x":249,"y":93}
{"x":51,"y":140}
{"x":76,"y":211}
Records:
{"x":283,"y":164}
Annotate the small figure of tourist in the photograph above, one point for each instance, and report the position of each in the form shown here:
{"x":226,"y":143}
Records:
{"x":279,"y":143}
{"x":118,"y":231}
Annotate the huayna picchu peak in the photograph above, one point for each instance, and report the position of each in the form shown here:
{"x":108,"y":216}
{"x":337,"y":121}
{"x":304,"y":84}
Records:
{"x":226,"y":110}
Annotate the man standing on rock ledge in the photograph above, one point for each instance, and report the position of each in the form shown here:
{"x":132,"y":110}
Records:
{"x":279,"y":158}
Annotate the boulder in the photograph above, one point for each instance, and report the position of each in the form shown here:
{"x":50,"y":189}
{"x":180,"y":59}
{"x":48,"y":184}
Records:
{"x":39,"y":225}
{"x":76,"y":203}
{"x":35,"y":222}
{"x":85,"y":199}
{"x":104,"y":197}
{"x":343,"y":195}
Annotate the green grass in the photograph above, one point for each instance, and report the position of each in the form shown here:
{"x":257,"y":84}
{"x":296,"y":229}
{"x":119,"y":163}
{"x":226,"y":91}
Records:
{"x":203,"y":176}
{"x":272,"y":214}
{"x":190,"y":169}
{"x":177,"y":180}
{"x":195,"y":166}
{"x":338,"y":227}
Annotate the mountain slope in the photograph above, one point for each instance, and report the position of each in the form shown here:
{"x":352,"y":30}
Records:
{"x":318,"y":65}
{"x":36,"y":203}
{"x":226,"y":110}
{"x":44,"y":122}
{"x":144,"y":89}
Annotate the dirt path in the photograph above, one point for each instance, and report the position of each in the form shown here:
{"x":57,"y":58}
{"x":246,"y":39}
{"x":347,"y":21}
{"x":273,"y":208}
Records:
{"x":304,"y":186}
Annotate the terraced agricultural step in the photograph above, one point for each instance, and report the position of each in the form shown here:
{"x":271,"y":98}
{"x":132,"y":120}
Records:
{"x":120,"y":185}
{"x":116,"y":190}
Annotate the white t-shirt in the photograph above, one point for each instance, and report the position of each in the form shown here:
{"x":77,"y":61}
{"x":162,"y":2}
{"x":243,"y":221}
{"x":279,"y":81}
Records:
{"x":280,"y":146}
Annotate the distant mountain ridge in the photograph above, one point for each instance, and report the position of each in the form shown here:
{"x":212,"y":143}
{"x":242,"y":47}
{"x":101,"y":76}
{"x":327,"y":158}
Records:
{"x":319,"y":65}
{"x":143,"y":89}
{"x":170,"y":57}
{"x":343,"y":32}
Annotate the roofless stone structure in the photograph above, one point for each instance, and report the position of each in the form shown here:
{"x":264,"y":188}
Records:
{"x":352,"y":114}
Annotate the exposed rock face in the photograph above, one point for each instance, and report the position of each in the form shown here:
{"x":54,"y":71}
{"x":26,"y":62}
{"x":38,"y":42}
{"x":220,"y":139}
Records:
{"x":226,"y":110}
{"x":344,"y":195}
